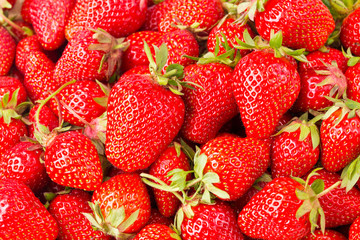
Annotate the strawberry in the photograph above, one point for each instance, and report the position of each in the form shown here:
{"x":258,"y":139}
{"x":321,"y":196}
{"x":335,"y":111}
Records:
{"x":7,"y":51}
{"x":25,"y":10}
{"x":354,"y":232}
{"x":67,"y":210}
{"x":155,"y":13}
{"x":77,"y":102}
{"x":124,"y":196}
{"x":88,"y":56}
{"x":205,"y":13}
{"x":231,"y":31}
{"x":340,"y":207}
{"x":71,"y":160}
{"x":22,"y":215}
{"x":119,"y":18}
{"x":142,"y":117}
{"x":157,"y":218}
{"x":339,"y":134}
{"x":353,"y":80}
{"x":265,"y":87}
{"x":237,"y":161}
{"x":23,"y":49}
{"x":22,"y":162}
{"x":295,"y":148}
{"x":46,"y":118}
{"x":10,"y":133}
{"x":9,"y":85}
{"x":304,"y":23}
{"x":327,"y":235}
{"x":317,"y":83}
{"x":325,"y":55}
{"x":172,"y":158}
{"x":349,"y":35}
{"x":157,"y":231}
{"x":48,"y":19}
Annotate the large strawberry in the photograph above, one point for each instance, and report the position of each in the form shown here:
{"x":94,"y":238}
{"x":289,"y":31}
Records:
{"x":22,"y":215}
{"x":23,"y":49}
{"x":119,"y":18}
{"x":349,"y":35}
{"x":304,"y":23}
{"x":7,"y":51}
{"x":48,"y":19}
{"x":211,"y":104}
{"x":340,"y":135}
{"x":68,"y":209}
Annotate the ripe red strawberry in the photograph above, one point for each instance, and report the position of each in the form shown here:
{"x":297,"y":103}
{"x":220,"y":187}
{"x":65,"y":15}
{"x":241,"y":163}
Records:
{"x":187,"y":12}
{"x":78,"y":106}
{"x":157,"y":231}
{"x":353,"y":81}
{"x":157,"y":218}
{"x":354,"y":232}
{"x":124,"y":191}
{"x":38,"y":79}
{"x":216,"y":221}
{"x":340,"y":137}
{"x":9,"y":85}
{"x":317,"y":83}
{"x":209,"y":106}
{"x":10,"y":133}
{"x":143,"y":119}
{"x":295,"y":150}
{"x":23,"y":163}
{"x":119,"y":18}
{"x":46,"y":118}
{"x":327,"y":235}
{"x":7,"y":51}
{"x":349,"y":36}
{"x":172,"y":158}
{"x":67,"y":210}
{"x":23,"y":49}
{"x":22,"y":215}
{"x":231,"y":30}
{"x":48,"y":19}
{"x":237,"y":161}
{"x":83,"y":55}
{"x":71,"y":160}
{"x":327,"y":56}
{"x":304,"y":23}
{"x":265,"y":87}
{"x":25,"y":10}
{"x":155,"y":13}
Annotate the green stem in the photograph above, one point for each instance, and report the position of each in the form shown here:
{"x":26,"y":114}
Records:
{"x":326,"y":191}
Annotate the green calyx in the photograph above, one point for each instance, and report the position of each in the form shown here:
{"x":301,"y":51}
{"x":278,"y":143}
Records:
{"x":199,"y":33}
{"x":306,"y":128}
{"x":353,"y":60}
{"x":9,"y":109}
{"x":310,"y":196}
{"x":112,"y":48}
{"x":347,"y":106}
{"x":244,"y":10}
{"x":114,"y":224}
{"x":351,"y":174}
{"x":339,"y":9}
{"x":275,"y":44}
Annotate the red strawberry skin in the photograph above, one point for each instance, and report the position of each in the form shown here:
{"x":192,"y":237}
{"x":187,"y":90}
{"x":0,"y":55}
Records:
{"x":327,"y":235}
{"x":270,"y":214}
{"x":265,"y":87}
{"x":119,"y":18}
{"x":217,"y":221}
{"x":11,"y":133}
{"x":354,"y":232}
{"x":349,"y":34}
{"x":46,"y":118}
{"x":209,"y":108}
{"x":71,"y":160}
{"x":48,"y":19}
{"x":23,"y":164}
{"x":237,"y":161}
{"x":23,"y":49}
{"x":353,"y":80}
{"x":304,"y":23}
{"x":155,"y":231}
{"x":126,"y":190}
{"x":340,"y":144}
{"x":9,"y":85}
{"x":67,"y":210}
{"x":143,"y":119}
{"x":7,"y":51}
{"x":169,"y":160}
{"x":22,"y":215}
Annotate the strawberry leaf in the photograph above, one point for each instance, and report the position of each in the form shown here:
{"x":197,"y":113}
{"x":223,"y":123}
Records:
{"x":318,"y":186}
{"x":129,"y":221}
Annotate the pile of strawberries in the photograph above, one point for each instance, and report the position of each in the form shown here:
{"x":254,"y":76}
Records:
{"x":180,"y":119}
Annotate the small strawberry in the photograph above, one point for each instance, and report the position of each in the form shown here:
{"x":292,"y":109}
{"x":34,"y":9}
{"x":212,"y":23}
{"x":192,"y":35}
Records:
{"x":22,"y":215}
{"x":22,"y":162}
{"x":349,"y":35}
{"x":119,"y":18}
{"x":122,"y":197}
{"x":354,"y":232}
{"x":327,"y":235}
{"x":23,"y":49}
{"x":7,"y":51}
{"x":172,"y":158}
{"x":9,"y":85}
{"x":353,"y":80}
{"x":340,"y":135}
{"x":48,"y":19}
{"x":68,"y":209}
{"x":157,"y":231}
{"x":46,"y":118}
{"x":295,"y":148}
